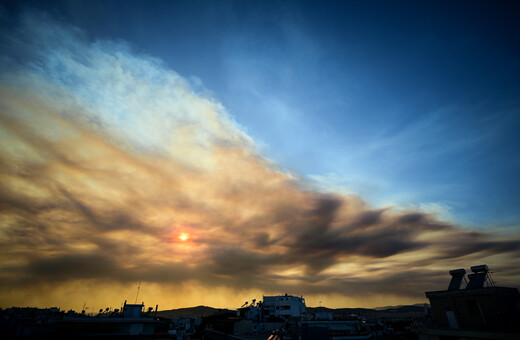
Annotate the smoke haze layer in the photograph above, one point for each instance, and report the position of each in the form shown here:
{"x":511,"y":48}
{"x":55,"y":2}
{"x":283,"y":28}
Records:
{"x":107,"y":157}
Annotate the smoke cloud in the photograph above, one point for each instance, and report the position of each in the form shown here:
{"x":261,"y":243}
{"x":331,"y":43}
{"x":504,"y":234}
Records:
{"x":108,"y":156}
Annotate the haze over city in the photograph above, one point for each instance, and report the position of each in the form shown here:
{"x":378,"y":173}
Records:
{"x":215,"y":151}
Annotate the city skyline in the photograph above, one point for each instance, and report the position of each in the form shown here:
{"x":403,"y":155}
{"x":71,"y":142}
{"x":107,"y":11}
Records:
{"x":217,"y":151}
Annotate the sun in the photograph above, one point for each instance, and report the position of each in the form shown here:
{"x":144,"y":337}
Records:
{"x":183,"y":237}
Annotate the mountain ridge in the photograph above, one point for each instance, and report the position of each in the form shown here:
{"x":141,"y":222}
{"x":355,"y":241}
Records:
{"x":390,"y":311}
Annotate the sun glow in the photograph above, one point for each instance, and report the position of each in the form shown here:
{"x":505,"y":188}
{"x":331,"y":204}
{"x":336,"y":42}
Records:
{"x":183,"y":237}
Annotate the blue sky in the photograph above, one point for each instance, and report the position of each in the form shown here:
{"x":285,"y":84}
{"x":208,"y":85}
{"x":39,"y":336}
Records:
{"x":405,"y":104}
{"x":410,"y":107}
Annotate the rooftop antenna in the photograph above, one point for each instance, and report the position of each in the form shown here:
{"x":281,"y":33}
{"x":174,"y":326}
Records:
{"x":138,"y":288}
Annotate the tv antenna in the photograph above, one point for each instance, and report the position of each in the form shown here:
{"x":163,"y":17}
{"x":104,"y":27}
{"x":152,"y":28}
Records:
{"x":138,"y":288}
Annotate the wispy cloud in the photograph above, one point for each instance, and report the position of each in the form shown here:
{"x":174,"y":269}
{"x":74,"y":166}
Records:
{"x":107,"y":156}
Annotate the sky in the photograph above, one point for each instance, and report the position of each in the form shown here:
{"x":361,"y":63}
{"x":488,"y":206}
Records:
{"x":217,"y":151}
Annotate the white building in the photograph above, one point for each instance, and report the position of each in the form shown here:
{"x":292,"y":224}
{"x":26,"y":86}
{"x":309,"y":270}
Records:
{"x":284,"y":306}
